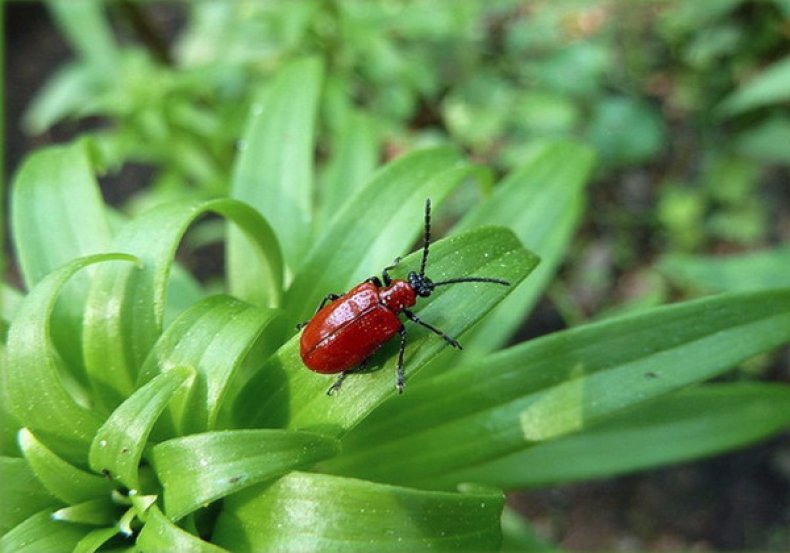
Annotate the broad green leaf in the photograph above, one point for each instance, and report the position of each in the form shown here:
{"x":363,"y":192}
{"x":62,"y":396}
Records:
{"x":198,"y":469}
{"x":351,"y":163}
{"x":118,"y":445}
{"x":767,"y":88}
{"x":57,"y":215}
{"x":94,"y":539}
{"x":318,"y":512}
{"x":274,"y":167}
{"x":62,"y":96}
{"x":23,"y":495}
{"x":41,"y":533}
{"x":183,"y":290}
{"x":379,"y":223}
{"x":35,"y":371}
{"x":96,"y":512}
{"x":541,"y":203}
{"x":86,"y":27}
{"x":126,"y":305}
{"x":285,"y":393}
{"x":690,"y":424}
{"x":214,"y":337}
{"x":63,"y":480}
{"x":557,"y":385}
{"x":732,"y":273}
{"x":159,"y":534}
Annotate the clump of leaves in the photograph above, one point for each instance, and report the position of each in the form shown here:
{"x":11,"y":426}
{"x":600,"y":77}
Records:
{"x":139,"y":409}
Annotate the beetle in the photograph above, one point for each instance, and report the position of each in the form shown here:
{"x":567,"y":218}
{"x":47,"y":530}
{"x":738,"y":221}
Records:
{"x":346,"y":330}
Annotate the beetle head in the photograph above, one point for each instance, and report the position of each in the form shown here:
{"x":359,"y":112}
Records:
{"x":421,"y":284}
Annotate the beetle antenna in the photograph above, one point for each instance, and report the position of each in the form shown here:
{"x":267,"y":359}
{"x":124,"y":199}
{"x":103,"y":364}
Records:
{"x":472,"y":279}
{"x":427,"y":237}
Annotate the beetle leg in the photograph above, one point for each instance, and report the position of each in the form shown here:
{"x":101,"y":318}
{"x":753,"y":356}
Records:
{"x":375,"y":280}
{"x":328,"y":298}
{"x":385,"y":273}
{"x":342,"y":376}
{"x":412,"y":317}
{"x":338,"y":382}
{"x":399,"y":374}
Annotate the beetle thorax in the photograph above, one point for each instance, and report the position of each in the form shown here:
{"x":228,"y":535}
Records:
{"x":398,"y":296}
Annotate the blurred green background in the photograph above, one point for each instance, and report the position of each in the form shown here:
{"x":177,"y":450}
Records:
{"x":687,"y":105}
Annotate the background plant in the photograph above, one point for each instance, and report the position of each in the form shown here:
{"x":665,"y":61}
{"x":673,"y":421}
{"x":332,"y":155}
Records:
{"x":146,"y":373}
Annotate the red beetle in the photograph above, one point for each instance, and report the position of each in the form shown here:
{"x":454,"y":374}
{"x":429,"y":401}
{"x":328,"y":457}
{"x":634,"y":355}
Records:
{"x":343,"y":334}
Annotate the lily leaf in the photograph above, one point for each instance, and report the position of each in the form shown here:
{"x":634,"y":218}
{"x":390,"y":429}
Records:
{"x":23,"y":495}
{"x":57,"y":215}
{"x":556,"y":385}
{"x":318,"y":512}
{"x":63,"y":480}
{"x":118,"y":445}
{"x":126,"y":305}
{"x":690,"y":424}
{"x":41,"y":532}
{"x":159,"y":534}
{"x":35,"y":370}
{"x":541,"y":203}
{"x":274,"y":169}
{"x":200,"y":468}
{"x":376,"y":225}
{"x":214,"y":336}
{"x":285,"y":393}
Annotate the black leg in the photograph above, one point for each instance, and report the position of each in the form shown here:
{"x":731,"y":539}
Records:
{"x":375,"y":280}
{"x":399,"y":373}
{"x":412,"y":317}
{"x":385,"y":273}
{"x":328,"y":298}
{"x":342,"y":376}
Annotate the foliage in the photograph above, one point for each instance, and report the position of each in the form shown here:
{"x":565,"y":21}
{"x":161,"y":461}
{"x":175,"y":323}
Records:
{"x":141,"y":407}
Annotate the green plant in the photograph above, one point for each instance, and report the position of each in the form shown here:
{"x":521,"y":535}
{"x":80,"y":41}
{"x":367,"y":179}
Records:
{"x":138,"y":409}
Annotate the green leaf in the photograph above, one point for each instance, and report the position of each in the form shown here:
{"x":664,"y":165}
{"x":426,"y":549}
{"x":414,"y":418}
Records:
{"x":23,"y":495}
{"x":63,"y":95}
{"x":198,"y":469}
{"x":732,"y":273}
{"x":214,"y":337}
{"x":94,"y":539}
{"x":159,"y":534}
{"x":541,"y":203}
{"x":126,"y":305}
{"x":556,"y":385}
{"x":285,"y":393}
{"x":63,"y":480}
{"x":376,"y":225}
{"x":119,"y":443}
{"x":769,"y":87}
{"x":96,"y":512}
{"x":349,"y":167}
{"x":86,"y":27}
{"x":687,"y":425}
{"x":317,"y":512}
{"x":57,"y":215}
{"x":35,"y":371}
{"x":274,"y":168}
{"x":41,"y":533}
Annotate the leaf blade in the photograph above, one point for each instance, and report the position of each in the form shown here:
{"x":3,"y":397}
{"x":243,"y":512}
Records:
{"x":556,"y":385}
{"x":118,"y":445}
{"x":294,"y":397}
{"x":279,"y":137}
{"x":315,"y":512}
{"x":200,"y":468}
